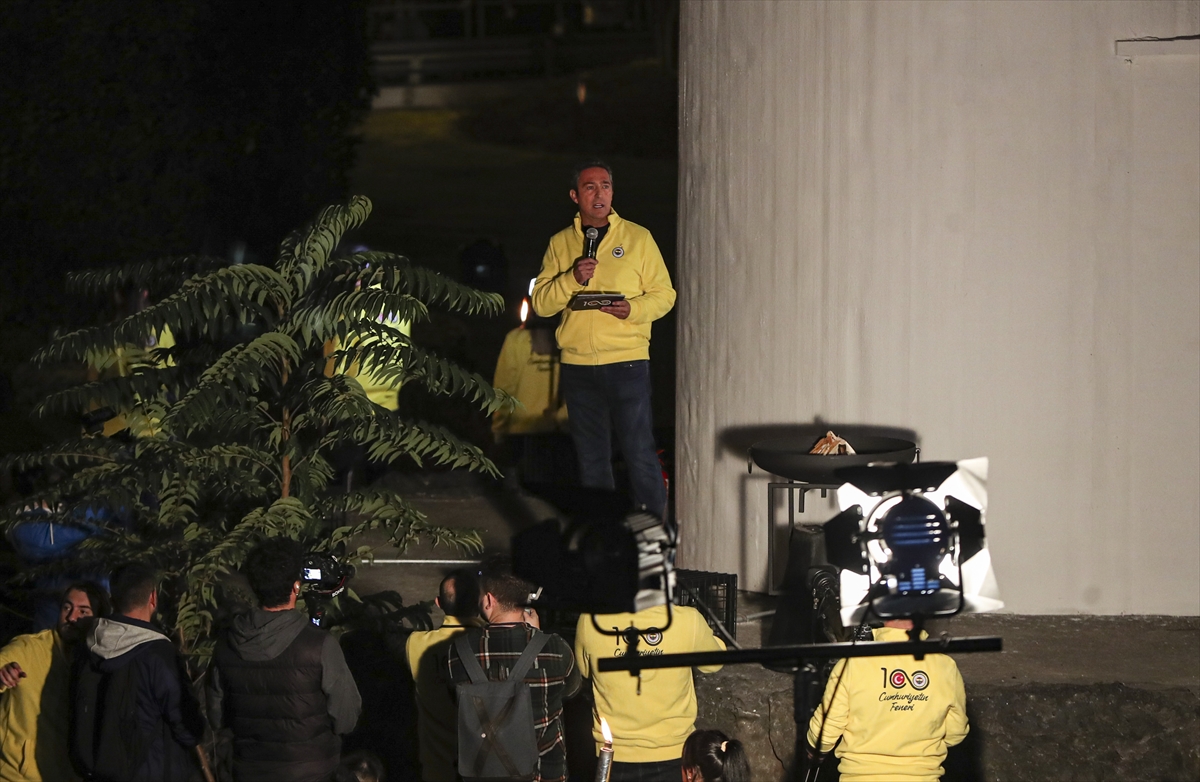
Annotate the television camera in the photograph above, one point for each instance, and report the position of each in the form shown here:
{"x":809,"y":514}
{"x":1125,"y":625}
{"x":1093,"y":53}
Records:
{"x":324,"y":577}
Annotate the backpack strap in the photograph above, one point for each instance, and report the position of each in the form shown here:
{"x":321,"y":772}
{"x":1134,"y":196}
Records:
{"x":467,"y":656}
{"x":471,"y":664}
{"x":525,"y":662}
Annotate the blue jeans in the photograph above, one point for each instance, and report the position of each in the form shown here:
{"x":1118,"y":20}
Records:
{"x":601,"y":398}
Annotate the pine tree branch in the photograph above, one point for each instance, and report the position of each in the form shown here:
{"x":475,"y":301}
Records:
{"x":204,"y":306}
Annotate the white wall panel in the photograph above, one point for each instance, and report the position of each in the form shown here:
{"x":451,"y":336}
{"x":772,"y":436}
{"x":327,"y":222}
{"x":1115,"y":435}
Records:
{"x":969,"y":219}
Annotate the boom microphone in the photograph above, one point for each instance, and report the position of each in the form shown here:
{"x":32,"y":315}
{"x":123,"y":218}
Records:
{"x":591,"y":238}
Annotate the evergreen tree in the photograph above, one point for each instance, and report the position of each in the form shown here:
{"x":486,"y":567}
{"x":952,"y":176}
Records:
{"x":231,"y":428}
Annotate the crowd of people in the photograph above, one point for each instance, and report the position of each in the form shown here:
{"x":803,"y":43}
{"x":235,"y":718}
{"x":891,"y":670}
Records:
{"x":105,"y":694}
{"x":490,"y":624}
{"x":898,"y":727}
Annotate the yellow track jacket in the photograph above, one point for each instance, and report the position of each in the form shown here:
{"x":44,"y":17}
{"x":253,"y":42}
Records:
{"x":652,"y":726}
{"x":437,"y":715}
{"x":896,"y":716}
{"x":534,"y":381}
{"x":628,"y":262}
{"x":33,"y":715}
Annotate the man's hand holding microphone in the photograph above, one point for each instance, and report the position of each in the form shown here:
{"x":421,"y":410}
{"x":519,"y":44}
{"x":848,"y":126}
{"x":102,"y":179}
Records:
{"x":585,"y":265}
{"x":585,"y":269}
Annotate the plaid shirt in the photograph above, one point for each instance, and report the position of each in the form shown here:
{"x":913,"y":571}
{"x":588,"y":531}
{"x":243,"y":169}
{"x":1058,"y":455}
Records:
{"x":552,"y":679}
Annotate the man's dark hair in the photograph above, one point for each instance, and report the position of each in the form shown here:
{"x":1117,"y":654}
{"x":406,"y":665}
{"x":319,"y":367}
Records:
{"x":272,"y":567}
{"x":97,"y":597}
{"x":584,"y":166}
{"x":132,"y":584}
{"x":459,"y":594}
{"x":510,"y":591}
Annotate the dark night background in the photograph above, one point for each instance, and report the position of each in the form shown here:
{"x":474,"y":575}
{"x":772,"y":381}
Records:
{"x":136,"y":129}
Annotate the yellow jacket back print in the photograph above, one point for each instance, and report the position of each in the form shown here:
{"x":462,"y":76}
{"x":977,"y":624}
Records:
{"x":895,"y":715}
{"x":649,"y":726}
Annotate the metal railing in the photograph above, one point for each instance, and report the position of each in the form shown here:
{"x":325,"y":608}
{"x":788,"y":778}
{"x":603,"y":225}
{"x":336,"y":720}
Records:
{"x":407,"y":19}
{"x":420,"y":41}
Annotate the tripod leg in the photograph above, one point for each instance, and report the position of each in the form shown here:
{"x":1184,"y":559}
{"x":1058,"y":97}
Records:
{"x":804,"y":702}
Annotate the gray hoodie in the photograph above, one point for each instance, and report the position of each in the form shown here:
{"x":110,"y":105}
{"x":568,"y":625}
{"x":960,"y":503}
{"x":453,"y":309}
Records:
{"x":109,"y":638}
{"x":264,"y":635}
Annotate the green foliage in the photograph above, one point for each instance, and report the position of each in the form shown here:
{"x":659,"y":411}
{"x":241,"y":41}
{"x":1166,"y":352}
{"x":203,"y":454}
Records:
{"x":232,"y":429}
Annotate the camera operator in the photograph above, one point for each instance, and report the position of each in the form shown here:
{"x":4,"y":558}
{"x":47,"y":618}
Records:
{"x":895,"y":715}
{"x":279,"y":683}
{"x":652,"y":715}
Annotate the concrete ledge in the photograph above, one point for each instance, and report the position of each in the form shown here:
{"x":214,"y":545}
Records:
{"x":1159,"y":47}
{"x":1083,"y":732}
{"x":1029,"y":732}
{"x":1070,"y":698}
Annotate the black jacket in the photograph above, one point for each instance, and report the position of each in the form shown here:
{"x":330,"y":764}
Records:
{"x":134,"y":718}
{"x":283,"y":688}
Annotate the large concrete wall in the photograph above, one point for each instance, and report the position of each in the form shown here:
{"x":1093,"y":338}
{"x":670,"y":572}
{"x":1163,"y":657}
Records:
{"x":971,"y":219}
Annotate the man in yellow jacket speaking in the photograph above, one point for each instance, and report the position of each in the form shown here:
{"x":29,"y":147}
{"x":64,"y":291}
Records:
{"x":895,"y":715}
{"x":606,"y":351}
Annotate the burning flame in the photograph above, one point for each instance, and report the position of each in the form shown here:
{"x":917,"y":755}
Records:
{"x":606,"y":731}
{"x":524,"y":310}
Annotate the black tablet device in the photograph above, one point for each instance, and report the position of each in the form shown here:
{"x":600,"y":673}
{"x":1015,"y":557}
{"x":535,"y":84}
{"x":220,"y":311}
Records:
{"x":594,"y":301}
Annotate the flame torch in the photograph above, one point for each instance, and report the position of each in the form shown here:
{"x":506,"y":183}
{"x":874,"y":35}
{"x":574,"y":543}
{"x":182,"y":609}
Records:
{"x":604,"y":766}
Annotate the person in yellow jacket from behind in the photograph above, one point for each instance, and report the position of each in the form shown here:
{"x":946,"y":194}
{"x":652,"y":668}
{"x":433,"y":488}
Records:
{"x":528,"y":369}
{"x":428,"y":652}
{"x":35,"y":675}
{"x":649,"y":725}
{"x":896,"y":716}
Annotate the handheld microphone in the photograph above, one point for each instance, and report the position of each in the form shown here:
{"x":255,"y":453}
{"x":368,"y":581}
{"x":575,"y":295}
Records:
{"x":591,"y":238}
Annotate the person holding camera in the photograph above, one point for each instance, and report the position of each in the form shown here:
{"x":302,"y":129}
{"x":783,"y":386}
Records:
{"x":280,"y":684}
